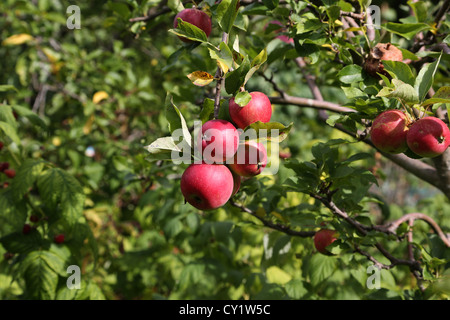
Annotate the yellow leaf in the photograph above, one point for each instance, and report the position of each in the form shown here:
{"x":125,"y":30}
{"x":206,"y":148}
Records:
{"x":222,"y":66}
{"x":338,"y":22}
{"x":260,"y":212}
{"x":277,"y":275}
{"x":279,"y":216}
{"x":17,"y":39}
{"x":99,"y":96}
{"x":200,"y":78}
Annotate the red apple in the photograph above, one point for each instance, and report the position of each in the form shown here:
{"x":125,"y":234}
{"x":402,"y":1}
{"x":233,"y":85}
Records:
{"x":207,"y":186}
{"x":1,"y":145}
{"x":250,"y":159}
{"x":10,"y":173}
{"x":389,"y":131}
{"x":258,"y":109}
{"x":59,"y":238}
{"x":4,"y":166}
{"x":323,"y":238}
{"x":428,"y":137}
{"x":26,"y":229}
{"x":218,"y":140}
{"x":196,"y":17}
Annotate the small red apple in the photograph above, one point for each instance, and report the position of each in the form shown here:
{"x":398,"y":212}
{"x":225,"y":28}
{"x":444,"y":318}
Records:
{"x":250,"y":159}
{"x":218,"y":140}
{"x":389,"y":131}
{"x":4,"y":166}
{"x":207,"y":186}
{"x":34,"y":218}
{"x":26,"y":229}
{"x":323,"y":238}
{"x":10,"y":173}
{"x":1,"y":145}
{"x":428,"y":137}
{"x":196,"y":17}
{"x":258,"y":109}
{"x":59,"y":238}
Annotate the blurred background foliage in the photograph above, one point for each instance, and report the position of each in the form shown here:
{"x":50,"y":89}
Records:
{"x":101,"y":90}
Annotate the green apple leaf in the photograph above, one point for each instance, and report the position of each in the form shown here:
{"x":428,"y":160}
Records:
{"x":425,"y":78}
{"x":350,"y":74}
{"x":226,"y":14}
{"x":400,"y":71}
{"x":242,"y":98}
{"x":406,"y":30}
{"x":441,"y":96}
{"x":271,"y":131}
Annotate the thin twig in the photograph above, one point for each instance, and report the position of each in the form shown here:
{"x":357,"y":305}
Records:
{"x":219,"y":77}
{"x":275,"y":226}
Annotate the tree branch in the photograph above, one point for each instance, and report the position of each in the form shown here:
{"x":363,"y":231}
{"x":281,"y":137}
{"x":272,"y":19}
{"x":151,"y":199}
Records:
{"x":219,"y":77}
{"x":275,"y":226}
{"x":311,"y":103}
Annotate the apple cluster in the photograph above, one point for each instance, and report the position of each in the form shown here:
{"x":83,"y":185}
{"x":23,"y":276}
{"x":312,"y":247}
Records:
{"x":393,"y":132}
{"x":225,"y":159}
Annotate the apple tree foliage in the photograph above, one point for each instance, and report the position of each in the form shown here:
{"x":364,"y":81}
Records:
{"x":86,"y":122}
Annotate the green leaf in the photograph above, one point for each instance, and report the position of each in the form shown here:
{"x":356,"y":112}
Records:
{"x":175,"y":5}
{"x":425,"y":78}
{"x":407,"y":30}
{"x":271,"y":4}
{"x":162,"y":148}
{"x":420,"y":10}
{"x":224,"y":57}
{"x":235,"y":79}
{"x":296,"y":289}
{"x":441,"y":96}
{"x":321,"y":267}
{"x":18,"y":242}
{"x":7,"y":87}
{"x":352,"y":92}
{"x":10,"y":132}
{"x":277,"y":275}
{"x":350,"y":74}
{"x":176,"y":120}
{"x":226,"y":14}
{"x":25,"y":177}
{"x":31,"y":116}
{"x":399,"y":70}
{"x":207,"y":110}
{"x":60,"y":189}
{"x":40,"y":278}
{"x":13,"y":214}
{"x":272,"y":131}
{"x":189,"y":31}
{"x":242,"y":98}
{"x":401,"y":91}
{"x":6,"y":115}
